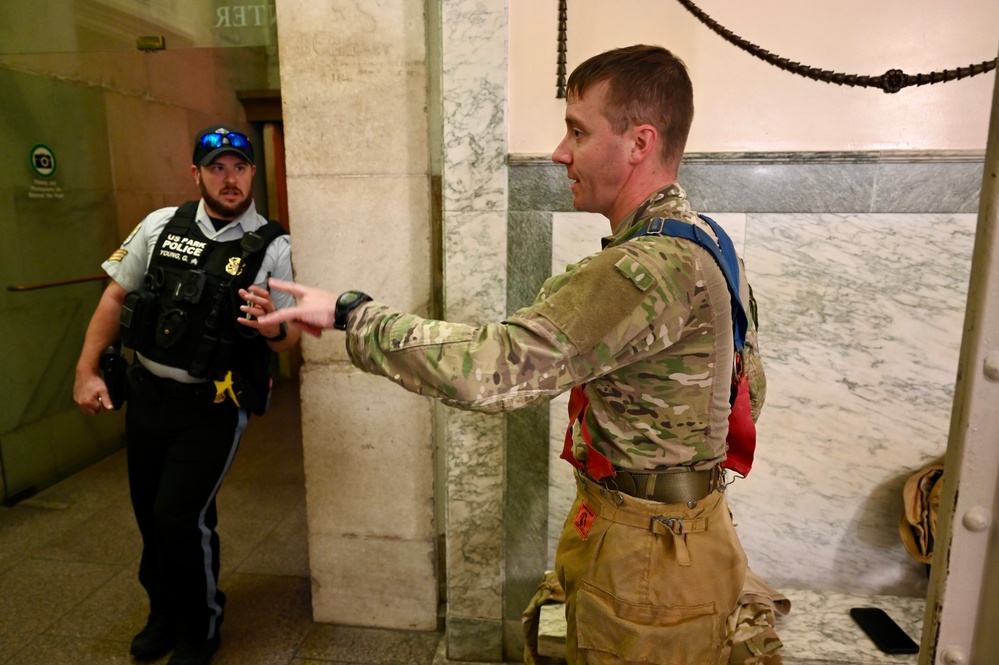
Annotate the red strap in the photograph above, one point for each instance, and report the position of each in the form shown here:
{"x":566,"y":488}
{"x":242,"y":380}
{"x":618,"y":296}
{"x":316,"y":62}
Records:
{"x":597,"y":466}
{"x":577,"y":404}
{"x":741,"y":437}
{"x":741,"y":440}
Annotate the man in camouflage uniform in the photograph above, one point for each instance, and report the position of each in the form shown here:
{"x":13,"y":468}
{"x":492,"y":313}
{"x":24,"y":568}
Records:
{"x":641,"y":332}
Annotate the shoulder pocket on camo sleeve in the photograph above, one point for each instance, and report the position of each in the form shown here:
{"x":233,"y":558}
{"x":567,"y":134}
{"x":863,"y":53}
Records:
{"x":600,"y":295}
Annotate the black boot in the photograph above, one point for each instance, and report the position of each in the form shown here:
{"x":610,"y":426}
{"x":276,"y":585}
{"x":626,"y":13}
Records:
{"x":194,"y":653}
{"x":156,"y":639}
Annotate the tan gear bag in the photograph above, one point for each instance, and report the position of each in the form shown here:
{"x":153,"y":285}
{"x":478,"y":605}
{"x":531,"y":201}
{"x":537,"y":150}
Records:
{"x":920,"y":503}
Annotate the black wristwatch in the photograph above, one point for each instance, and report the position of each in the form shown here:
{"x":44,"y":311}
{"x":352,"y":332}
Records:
{"x":345,"y":304}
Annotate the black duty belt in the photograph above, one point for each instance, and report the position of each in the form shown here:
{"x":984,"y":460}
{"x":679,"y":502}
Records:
{"x":151,"y":386}
{"x":678,"y":486}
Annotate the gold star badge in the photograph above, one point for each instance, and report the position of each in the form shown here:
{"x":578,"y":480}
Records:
{"x":223,"y":388}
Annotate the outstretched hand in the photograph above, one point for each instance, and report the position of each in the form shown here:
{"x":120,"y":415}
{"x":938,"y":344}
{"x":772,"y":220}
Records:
{"x":313,"y":311}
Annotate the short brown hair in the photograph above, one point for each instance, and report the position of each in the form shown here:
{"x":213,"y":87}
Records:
{"x":646,"y":85}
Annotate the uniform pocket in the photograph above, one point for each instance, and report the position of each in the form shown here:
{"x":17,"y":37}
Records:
{"x":641,"y":633}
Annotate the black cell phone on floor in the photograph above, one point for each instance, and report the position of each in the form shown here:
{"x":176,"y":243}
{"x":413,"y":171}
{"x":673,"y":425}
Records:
{"x":883,"y":631}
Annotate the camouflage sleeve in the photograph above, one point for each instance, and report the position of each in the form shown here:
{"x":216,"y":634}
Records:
{"x":489,"y":368}
{"x":607,"y":311}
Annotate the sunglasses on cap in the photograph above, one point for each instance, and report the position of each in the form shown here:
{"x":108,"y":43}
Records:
{"x":234,"y":139}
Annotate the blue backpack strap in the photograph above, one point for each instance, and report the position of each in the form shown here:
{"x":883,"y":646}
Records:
{"x":724,"y":256}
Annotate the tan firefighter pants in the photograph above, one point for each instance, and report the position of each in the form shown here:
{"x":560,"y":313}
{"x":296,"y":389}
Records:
{"x":649,"y":582}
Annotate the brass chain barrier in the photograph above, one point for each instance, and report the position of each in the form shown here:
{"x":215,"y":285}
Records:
{"x":891,"y":81}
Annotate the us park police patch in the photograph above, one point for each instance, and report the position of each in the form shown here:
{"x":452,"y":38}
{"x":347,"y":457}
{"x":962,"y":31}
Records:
{"x":179,"y":248}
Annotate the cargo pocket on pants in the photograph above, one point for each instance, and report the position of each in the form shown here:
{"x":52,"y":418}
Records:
{"x":645,"y":633}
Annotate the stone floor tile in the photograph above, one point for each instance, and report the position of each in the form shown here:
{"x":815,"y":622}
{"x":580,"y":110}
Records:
{"x":373,"y":646}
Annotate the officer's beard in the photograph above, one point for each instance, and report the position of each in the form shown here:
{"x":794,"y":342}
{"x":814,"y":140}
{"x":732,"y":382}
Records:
{"x":222,"y":209}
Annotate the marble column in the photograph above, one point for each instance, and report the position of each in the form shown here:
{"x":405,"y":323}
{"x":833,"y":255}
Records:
{"x":473,"y":51}
{"x":354,"y":91}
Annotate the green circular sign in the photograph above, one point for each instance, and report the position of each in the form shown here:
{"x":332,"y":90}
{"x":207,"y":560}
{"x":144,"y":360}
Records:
{"x":43,"y":161}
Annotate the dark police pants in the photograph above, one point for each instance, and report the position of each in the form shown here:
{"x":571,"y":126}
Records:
{"x":179,"y":450}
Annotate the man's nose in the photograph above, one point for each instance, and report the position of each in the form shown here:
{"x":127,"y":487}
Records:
{"x":560,"y":155}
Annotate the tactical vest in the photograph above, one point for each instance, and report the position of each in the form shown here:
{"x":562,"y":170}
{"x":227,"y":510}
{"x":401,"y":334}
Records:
{"x":185,"y":313}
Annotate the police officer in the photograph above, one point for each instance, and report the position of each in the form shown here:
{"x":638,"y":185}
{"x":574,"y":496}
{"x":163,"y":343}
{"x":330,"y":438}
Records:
{"x":178,"y":283}
{"x":642,"y":334}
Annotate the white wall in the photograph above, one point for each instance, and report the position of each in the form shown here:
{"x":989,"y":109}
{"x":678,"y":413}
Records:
{"x":744,"y":104}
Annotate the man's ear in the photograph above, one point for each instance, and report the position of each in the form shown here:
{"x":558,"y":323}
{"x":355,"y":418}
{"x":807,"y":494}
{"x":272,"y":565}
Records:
{"x":196,"y":173}
{"x":646,"y":141}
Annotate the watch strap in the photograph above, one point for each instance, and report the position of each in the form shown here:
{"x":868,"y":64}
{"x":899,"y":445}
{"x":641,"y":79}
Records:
{"x":345,"y":304}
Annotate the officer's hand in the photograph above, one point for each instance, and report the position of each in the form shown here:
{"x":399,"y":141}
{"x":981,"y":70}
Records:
{"x":313,"y":310}
{"x":91,"y":395}
{"x":258,"y":304}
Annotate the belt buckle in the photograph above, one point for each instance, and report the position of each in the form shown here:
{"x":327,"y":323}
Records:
{"x":674,"y":524}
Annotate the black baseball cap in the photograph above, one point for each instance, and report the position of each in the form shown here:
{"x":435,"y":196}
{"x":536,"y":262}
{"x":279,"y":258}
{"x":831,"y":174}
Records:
{"x":217,"y":139}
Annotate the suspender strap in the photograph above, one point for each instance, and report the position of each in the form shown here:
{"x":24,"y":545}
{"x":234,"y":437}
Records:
{"x":741,"y":439}
{"x":724,"y":254}
{"x":597,"y":465}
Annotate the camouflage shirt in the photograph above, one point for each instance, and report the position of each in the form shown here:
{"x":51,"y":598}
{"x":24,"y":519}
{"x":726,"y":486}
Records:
{"x":645,"y":323}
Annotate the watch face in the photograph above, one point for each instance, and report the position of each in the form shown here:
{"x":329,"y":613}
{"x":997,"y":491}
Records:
{"x":345,"y":304}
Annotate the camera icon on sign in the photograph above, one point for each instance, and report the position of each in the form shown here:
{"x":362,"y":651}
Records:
{"x":43,"y":161}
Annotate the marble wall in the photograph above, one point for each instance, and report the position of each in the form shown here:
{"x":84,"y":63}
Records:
{"x":862,"y":317}
{"x":861,"y":298}
{"x":474,"y":200}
